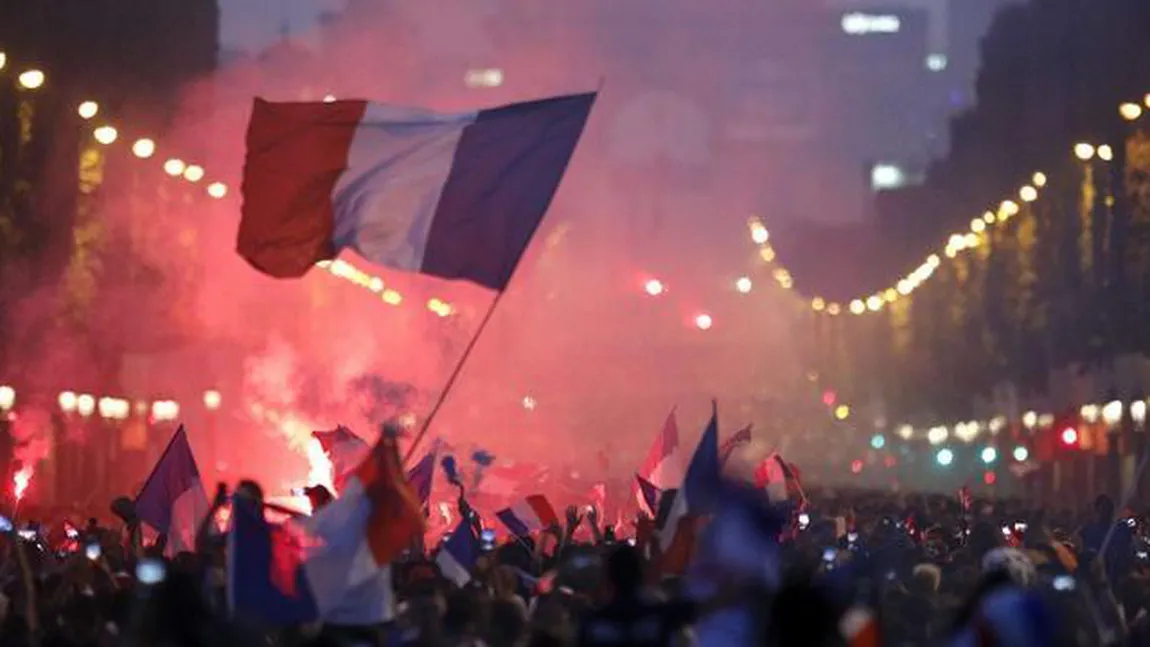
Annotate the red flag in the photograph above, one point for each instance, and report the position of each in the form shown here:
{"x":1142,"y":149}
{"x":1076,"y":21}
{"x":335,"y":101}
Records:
{"x":396,"y":519}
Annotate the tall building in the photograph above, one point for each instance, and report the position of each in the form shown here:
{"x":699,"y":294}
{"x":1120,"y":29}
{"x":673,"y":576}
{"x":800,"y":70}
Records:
{"x":67,"y":68}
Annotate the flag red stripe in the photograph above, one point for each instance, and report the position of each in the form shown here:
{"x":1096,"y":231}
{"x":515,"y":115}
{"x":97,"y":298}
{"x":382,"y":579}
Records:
{"x":296,"y":153}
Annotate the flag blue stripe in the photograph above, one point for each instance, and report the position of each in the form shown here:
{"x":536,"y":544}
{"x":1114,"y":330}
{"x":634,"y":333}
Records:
{"x":505,"y":171}
{"x":251,"y":591}
{"x":517,"y":527}
{"x":174,"y":474}
{"x":704,"y":478}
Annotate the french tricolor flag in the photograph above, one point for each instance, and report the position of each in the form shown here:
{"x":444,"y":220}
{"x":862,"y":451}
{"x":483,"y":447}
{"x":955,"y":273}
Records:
{"x":457,"y":196}
{"x":173,"y":500}
{"x":458,"y":554}
{"x":529,"y":515}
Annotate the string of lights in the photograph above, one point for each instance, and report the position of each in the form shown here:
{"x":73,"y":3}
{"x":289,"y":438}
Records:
{"x":954,"y":244}
{"x":32,"y":79}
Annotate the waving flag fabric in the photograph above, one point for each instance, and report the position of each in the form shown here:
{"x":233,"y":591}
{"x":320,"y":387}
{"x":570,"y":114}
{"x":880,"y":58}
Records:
{"x":337,"y":561}
{"x":650,"y":494}
{"x":529,"y":515}
{"x":421,"y":477}
{"x":661,"y":468}
{"x":457,"y":196}
{"x":173,"y":500}
{"x":741,"y":437}
{"x":695,"y":498}
{"x":344,"y":449}
{"x":266,"y":582}
{"x":458,"y":554}
{"x":781,"y":480}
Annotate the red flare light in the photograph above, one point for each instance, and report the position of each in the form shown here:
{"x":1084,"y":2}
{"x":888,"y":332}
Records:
{"x":20,"y":481}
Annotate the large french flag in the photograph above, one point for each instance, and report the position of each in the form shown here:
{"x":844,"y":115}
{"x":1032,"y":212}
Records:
{"x":173,"y":500}
{"x":457,"y":196}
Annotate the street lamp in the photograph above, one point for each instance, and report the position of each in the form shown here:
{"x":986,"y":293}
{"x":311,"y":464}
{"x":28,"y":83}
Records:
{"x":1130,"y":111}
{"x":1084,"y":151}
{"x":194,"y":173}
{"x":88,"y":109}
{"x":85,"y":405}
{"x":7,"y":397}
{"x":1112,"y":413}
{"x":144,"y":148}
{"x":106,"y":135}
{"x":1138,"y":412}
{"x":31,"y":79}
{"x":67,"y":401}
{"x":1105,"y":153}
{"x":217,"y":190}
{"x":174,"y":167}
{"x":212,"y":399}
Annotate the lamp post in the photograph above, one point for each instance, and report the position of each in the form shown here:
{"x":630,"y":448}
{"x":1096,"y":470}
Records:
{"x":212,"y":402}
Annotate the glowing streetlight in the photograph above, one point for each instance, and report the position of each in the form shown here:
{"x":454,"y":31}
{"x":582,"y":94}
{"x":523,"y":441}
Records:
{"x":653,"y":287}
{"x":174,"y":167}
{"x":67,"y":401}
{"x":217,"y":190}
{"x":106,"y":135}
{"x":759,"y":234}
{"x":857,"y":307}
{"x":1138,"y":411}
{"x":85,"y":405}
{"x":31,"y":79}
{"x":743,"y":285}
{"x":1039,"y":179}
{"x":704,"y":322}
{"x":88,"y":109}
{"x":144,"y":148}
{"x":1028,"y":193}
{"x":1130,"y":111}
{"x":1105,"y":153}
{"x":114,"y":408}
{"x":818,"y":304}
{"x":978,"y":225}
{"x":1084,"y":151}
{"x":7,"y":397}
{"x":529,"y":403}
{"x":212,"y":399}
{"x":1112,"y":413}
{"x":194,"y":173}
{"x":329,"y":98}
{"x":165,"y":410}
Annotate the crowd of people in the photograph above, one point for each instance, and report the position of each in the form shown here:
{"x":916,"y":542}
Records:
{"x":847,"y":568}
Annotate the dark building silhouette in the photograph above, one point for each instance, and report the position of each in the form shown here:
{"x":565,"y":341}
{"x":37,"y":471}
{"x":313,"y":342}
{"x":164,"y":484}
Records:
{"x":130,"y":57}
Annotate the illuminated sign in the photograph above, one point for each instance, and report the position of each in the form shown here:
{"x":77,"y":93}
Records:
{"x":861,"y":24}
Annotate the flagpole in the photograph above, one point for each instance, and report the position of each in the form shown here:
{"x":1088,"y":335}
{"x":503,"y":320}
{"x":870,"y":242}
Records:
{"x":486,"y":317}
{"x":457,"y":370}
